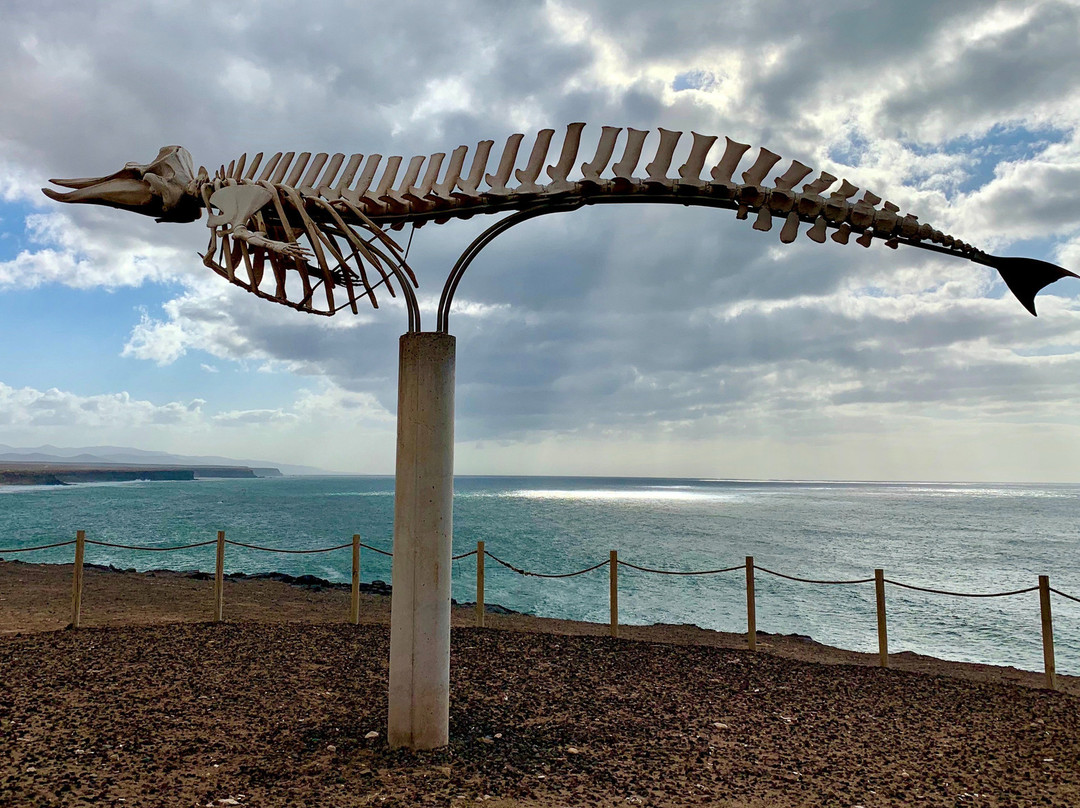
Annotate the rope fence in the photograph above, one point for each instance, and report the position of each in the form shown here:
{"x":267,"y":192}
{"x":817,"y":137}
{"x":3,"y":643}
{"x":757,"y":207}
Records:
{"x":612,"y":563}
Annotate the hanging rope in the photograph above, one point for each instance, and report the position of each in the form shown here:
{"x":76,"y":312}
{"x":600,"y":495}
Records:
{"x":1059,"y":592}
{"x":520,"y":571}
{"x":39,"y":547}
{"x":812,"y":580}
{"x":151,"y":549}
{"x":963,"y":594}
{"x":290,"y":552}
{"x":680,"y":572}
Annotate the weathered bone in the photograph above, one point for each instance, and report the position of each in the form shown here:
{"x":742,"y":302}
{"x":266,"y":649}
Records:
{"x":817,"y":232}
{"x":790,"y":231}
{"x":347,"y":176}
{"x":415,"y":193}
{"x":308,"y":182}
{"x":323,"y":184}
{"x":658,"y":168}
{"x":794,"y":175}
{"x":733,"y":152}
{"x":395,"y":196}
{"x":561,"y":170}
{"x":755,"y":175}
{"x":624,"y":169}
{"x":604,"y":149}
{"x":270,"y":166}
{"x":846,"y":190}
{"x":690,"y":171}
{"x":497,"y":182}
{"x":764,"y":220}
{"x":441,"y":190}
{"x":528,"y":176}
{"x":820,"y":185}
{"x":254,"y":166}
{"x":298,"y":169}
{"x":282,"y":167}
{"x":356,"y":194}
{"x":781,"y":201}
{"x":375,"y":198}
{"x":469,"y":187}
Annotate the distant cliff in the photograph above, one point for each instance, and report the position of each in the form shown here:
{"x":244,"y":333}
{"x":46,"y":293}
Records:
{"x":65,"y":474}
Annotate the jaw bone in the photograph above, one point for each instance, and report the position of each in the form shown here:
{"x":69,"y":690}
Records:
{"x":163,"y":188}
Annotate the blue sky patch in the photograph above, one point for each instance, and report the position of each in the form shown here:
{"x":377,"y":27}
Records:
{"x":13,"y":238}
{"x":694,"y":80}
{"x":983,"y":153}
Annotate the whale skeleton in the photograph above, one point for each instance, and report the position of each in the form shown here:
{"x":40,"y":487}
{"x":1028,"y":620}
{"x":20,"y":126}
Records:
{"x":319,"y":222}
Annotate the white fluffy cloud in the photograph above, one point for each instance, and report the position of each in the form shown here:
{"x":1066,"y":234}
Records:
{"x":72,"y":255}
{"x":27,"y":408}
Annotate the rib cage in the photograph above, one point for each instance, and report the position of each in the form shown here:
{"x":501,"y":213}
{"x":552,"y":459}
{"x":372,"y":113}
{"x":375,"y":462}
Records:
{"x":328,"y":198}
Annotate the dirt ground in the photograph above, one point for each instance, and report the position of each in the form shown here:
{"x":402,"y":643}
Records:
{"x":150,"y":704}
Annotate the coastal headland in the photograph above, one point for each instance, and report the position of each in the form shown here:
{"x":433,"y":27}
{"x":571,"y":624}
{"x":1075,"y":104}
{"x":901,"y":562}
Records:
{"x":29,"y":473}
{"x":284,"y":703}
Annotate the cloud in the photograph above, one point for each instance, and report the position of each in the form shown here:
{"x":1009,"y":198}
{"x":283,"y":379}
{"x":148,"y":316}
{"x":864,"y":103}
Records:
{"x":29,"y":408}
{"x":84,"y":258}
{"x":619,"y":324}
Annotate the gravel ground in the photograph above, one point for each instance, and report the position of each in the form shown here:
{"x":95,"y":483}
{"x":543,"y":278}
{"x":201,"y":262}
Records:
{"x":151,"y":705}
{"x":280,"y":715}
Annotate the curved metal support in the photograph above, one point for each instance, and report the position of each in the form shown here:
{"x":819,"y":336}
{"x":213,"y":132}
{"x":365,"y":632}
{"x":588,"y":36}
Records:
{"x":407,"y":291}
{"x":446,"y":300}
{"x":1024,"y":276}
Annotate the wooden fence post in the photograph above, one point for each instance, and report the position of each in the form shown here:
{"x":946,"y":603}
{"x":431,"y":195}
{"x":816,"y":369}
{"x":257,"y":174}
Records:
{"x":219,"y":578}
{"x":882,"y":626}
{"x":1047,"y":632}
{"x":480,"y":584}
{"x":751,"y":606}
{"x":354,"y":610}
{"x":77,"y":579}
{"x":613,"y":568}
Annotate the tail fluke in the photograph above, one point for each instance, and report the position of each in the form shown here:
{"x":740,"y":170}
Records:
{"x":1026,"y":277}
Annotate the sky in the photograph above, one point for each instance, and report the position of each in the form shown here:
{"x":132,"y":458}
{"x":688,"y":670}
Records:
{"x":616,"y":340}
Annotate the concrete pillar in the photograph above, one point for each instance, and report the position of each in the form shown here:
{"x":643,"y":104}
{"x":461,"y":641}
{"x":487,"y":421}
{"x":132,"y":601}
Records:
{"x":419,"y":716}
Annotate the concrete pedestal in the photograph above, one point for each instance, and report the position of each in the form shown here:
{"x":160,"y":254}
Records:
{"x":419,"y":716}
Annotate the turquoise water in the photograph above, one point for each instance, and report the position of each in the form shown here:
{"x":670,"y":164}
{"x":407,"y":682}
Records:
{"x":972,"y":538}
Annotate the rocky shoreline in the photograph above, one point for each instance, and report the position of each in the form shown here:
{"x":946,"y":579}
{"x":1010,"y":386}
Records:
{"x":30,"y":473}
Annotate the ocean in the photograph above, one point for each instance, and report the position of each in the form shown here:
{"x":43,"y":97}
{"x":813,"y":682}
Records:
{"x":962,"y":537}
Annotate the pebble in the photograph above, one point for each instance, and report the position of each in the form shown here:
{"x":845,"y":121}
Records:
{"x":573,"y":750}
{"x":331,"y":748}
{"x":372,"y":734}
